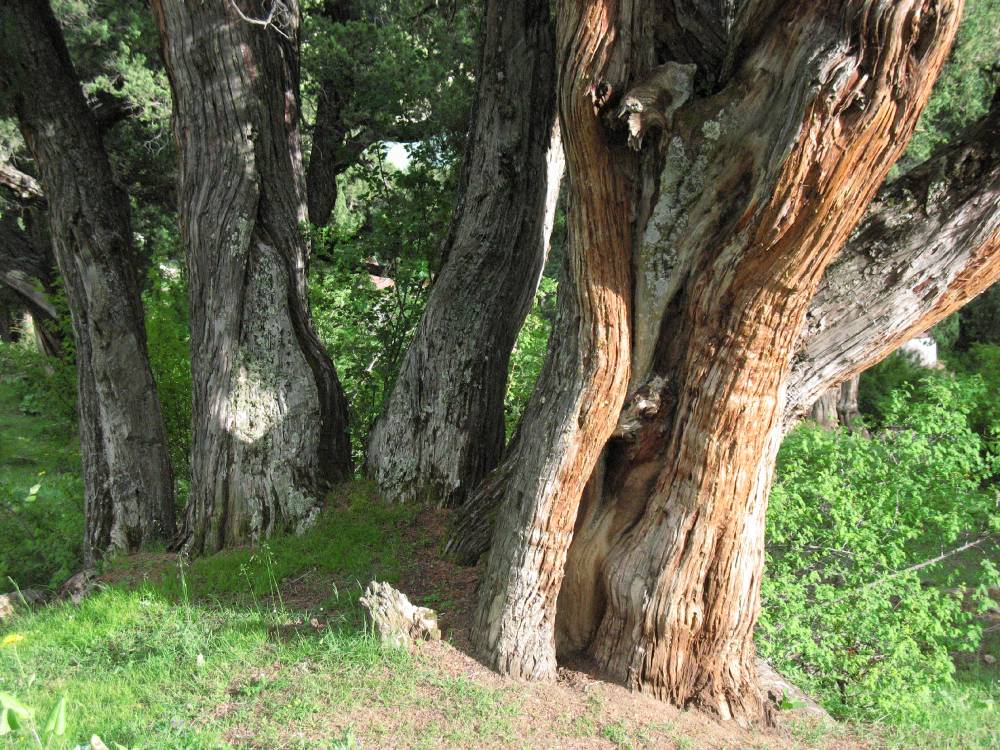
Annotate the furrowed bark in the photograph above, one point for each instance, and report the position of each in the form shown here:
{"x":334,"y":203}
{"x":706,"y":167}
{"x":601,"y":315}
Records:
{"x":929,"y":243}
{"x":269,"y":413}
{"x":583,"y":382}
{"x":781,"y":164}
{"x":925,"y":247}
{"x":442,"y":429}
{"x":127,"y":474}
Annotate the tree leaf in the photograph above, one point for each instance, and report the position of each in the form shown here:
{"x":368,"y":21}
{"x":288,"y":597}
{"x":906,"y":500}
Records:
{"x":56,"y":723}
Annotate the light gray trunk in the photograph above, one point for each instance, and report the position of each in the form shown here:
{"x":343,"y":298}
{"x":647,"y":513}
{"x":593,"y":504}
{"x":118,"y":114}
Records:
{"x":269,"y":431}
{"x":127,"y":474}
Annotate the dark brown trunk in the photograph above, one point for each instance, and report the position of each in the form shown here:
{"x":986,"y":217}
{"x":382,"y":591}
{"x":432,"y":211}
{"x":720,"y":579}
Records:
{"x":269,"y":414}
{"x":442,"y":429}
{"x":331,"y":153}
{"x":129,"y":485}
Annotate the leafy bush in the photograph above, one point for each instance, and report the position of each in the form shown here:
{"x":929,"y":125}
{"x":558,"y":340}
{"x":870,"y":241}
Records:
{"x":983,"y":361}
{"x":41,"y":492}
{"x":168,"y":337}
{"x":878,"y":383}
{"x":852,"y":521}
{"x":529,"y":353}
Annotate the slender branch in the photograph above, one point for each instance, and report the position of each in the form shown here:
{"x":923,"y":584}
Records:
{"x":932,"y":561}
{"x":266,"y":22}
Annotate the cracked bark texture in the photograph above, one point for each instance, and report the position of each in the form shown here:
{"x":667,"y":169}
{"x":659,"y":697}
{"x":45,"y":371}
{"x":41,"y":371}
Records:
{"x":929,"y":244}
{"x":269,"y":413}
{"x":126,"y":467}
{"x":442,"y":428}
{"x":802,"y":111}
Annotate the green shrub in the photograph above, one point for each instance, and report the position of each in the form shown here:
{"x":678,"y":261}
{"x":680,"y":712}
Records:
{"x":878,"y":383}
{"x":41,"y":492}
{"x":168,"y":337}
{"x":529,"y":353}
{"x":845,"y":610}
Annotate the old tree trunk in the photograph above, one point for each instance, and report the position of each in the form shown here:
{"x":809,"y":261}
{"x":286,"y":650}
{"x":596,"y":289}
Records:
{"x":442,"y":429}
{"x":126,"y":467}
{"x":269,"y":414}
{"x":707,"y":246}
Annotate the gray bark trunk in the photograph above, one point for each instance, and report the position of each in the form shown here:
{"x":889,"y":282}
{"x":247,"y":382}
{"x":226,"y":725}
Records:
{"x":442,"y":429}
{"x":838,"y":405}
{"x":269,"y":414}
{"x":129,"y":485}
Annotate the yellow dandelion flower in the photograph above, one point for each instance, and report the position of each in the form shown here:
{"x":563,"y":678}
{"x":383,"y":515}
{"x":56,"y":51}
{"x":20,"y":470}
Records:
{"x":10,"y":640}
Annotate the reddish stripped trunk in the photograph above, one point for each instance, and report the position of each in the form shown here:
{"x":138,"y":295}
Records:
{"x":582,"y":385}
{"x":762,"y":182}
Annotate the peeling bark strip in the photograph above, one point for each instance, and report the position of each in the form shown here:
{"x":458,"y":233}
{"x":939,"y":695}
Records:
{"x":126,"y":467}
{"x":269,"y":413}
{"x":761,"y":184}
{"x":929,"y":243}
{"x":582,"y":385}
{"x":442,"y":429}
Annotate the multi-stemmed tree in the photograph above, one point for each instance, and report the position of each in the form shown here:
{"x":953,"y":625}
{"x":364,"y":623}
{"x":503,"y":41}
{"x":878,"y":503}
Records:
{"x":718,"y":157}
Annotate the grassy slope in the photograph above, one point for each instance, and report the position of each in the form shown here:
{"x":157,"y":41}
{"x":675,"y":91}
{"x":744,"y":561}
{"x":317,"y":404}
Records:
{"x":267,"y":648}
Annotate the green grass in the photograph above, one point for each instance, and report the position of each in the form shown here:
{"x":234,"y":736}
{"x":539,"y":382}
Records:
{"x":38,"y":447}
{"x":227,"y":664}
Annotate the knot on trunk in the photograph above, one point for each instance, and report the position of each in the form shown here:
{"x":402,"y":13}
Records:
{"x":395,"y":620}
{"x":642,"y":406}
{"x":652,"y":102}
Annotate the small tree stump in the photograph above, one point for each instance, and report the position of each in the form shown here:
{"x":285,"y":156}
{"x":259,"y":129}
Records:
{"x":396,"y":621}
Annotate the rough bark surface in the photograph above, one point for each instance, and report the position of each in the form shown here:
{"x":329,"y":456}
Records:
{"x":126,"y":467}
{"x":761,"y":183}
{"x":269,"y":413}
{"x":929,"y":243}
{"x":442,"y":429}
{"x":760,"y":189}
{"x":583,"y":382}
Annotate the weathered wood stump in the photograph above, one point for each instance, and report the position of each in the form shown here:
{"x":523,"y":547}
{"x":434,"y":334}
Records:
{"x":395,"y":620}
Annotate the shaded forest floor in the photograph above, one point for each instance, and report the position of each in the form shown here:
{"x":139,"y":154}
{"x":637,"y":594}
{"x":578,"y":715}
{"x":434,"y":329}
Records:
{"x":267,"y":648}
